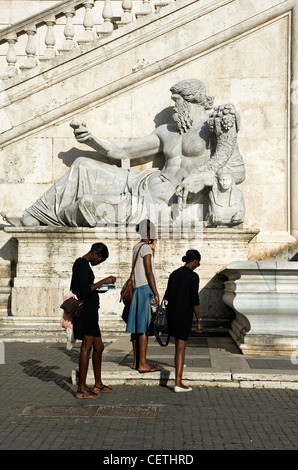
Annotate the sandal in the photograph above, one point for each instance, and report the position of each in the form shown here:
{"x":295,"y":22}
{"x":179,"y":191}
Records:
{"x":86,"y":394}
{"x":152,"y":369}
{"x":104,"y":389}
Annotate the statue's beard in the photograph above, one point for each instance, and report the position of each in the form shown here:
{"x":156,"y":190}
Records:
{"x":183,"y":118}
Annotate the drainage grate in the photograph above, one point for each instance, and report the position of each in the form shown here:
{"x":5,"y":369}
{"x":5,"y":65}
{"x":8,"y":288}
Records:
{"x":67,"y":411}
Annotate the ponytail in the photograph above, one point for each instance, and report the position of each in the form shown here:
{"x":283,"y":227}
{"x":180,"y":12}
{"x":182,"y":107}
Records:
{"x":191,"y":255}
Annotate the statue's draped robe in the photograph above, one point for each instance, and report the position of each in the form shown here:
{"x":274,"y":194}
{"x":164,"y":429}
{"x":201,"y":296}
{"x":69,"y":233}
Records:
{"x":77,"y":200}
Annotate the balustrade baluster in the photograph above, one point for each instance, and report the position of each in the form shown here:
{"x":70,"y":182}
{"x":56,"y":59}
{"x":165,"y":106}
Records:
{"x":11,"y":57}
{"x":68,"y":43}
{"x":107,"y":27}
{"x":88,"y":23}
{"x":127,"y":16}
{"x":49,"y":40}
{"x":161,"y":3}
{"x":146,"y":8}
{"x":30,"y":61}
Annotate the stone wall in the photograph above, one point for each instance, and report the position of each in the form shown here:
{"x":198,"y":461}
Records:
{"x":46,"y":256}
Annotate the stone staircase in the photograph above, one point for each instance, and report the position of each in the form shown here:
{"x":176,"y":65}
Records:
{"x":82,"y":23}
{"x":42,"y":88}
{"x":30,"y":329}
{"x":48,"y":329}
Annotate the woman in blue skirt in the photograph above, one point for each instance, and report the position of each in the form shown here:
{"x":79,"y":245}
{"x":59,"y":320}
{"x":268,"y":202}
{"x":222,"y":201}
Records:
{"x":145,"y":295}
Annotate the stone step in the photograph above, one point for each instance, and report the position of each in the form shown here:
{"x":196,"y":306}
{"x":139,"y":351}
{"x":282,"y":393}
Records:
{"x":45,"y":329}
{"x":48,"y":329}
{"x":30,"y":329}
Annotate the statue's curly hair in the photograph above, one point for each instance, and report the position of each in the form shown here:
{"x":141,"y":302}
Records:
{"x":194,"y":91}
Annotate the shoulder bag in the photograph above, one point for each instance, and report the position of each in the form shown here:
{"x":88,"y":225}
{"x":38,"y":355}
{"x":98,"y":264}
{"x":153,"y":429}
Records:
{"x":72,"y":306}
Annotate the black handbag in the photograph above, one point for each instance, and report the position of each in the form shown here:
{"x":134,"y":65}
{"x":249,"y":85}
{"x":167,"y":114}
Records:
{"x":160,"y":324}
{"x":72,"y":307}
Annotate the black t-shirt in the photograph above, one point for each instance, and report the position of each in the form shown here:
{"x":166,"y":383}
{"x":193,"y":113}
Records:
{"x":82,"y":279}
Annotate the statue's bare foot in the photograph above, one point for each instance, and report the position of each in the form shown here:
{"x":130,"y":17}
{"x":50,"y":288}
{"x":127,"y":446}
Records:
{"x":29,"y":221}
{"x":14,"y":218}
{"x":20,"y":219}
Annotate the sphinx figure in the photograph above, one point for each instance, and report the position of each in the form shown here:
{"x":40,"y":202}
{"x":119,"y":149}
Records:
{"x":225,"y":201}
{"x":195,"y":147}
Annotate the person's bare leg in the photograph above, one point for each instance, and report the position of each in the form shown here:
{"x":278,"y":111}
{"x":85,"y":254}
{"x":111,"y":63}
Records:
{"x":82,"y":391}
{"x":142,"y":348}
{"x":135,"y":351}
{"x":144,"y":366}
{"x":180,"y":346}
{"x":98,"y":348}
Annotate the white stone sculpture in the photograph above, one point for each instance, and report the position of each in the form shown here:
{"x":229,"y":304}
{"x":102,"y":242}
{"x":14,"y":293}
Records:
{"x":225,"y":201}
{"x":195,"y":148}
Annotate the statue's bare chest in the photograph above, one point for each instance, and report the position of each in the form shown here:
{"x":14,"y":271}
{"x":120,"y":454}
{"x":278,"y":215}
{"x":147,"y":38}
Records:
{"x":186,"y":151}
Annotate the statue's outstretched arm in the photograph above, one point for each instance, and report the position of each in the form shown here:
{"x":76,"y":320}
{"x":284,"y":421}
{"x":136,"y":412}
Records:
{"x":138,"y":148}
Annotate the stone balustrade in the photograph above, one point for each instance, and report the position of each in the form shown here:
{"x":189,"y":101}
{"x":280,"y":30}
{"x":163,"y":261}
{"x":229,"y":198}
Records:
{"x":80,"y":25}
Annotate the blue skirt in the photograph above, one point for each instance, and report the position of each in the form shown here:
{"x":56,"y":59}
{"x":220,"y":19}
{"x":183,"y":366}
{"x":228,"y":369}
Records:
{"x":139,"y":316}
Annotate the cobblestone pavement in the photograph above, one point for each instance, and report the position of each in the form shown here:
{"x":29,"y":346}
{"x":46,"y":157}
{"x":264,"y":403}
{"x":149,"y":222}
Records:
{"x":39,"y":411}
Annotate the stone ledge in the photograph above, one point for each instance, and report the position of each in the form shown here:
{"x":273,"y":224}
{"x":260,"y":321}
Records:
{"x":166,"y":377}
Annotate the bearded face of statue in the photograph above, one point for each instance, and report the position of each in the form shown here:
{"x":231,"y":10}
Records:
{"x":182,"y":114}
{"x":184,"y":94}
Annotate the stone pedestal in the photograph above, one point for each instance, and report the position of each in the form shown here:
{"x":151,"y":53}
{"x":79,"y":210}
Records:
{"x":46,"y":256}
{"x":264,"y":296}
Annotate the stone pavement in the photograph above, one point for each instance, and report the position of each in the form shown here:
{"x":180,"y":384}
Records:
{"x":237,"y":402}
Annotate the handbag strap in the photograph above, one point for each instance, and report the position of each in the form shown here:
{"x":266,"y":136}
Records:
{"x":158,"y":338}
{"x":135,"y":261}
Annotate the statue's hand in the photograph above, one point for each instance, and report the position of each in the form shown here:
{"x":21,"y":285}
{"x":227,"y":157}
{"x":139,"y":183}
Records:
{"x":80,"y":131}
{"x":193,"y":183}
{"x":182,"y":193}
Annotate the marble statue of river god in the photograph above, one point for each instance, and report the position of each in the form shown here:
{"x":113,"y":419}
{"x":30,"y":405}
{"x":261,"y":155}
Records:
{"x":202,"y":166}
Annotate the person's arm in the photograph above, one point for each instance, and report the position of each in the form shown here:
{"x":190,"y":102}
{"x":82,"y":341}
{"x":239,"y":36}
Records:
{"x":195,"y":301}
{"x":151,"y":278}
{"x":138,"y":148}
{"x":199,"y":320}
{"x":98,"y":284}
{"x":152,"y":244}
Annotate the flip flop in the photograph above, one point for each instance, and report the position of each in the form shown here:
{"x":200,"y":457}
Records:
{"x":152,"y":369}
{"x":104,"y":389}
{"x":86,"y":394}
